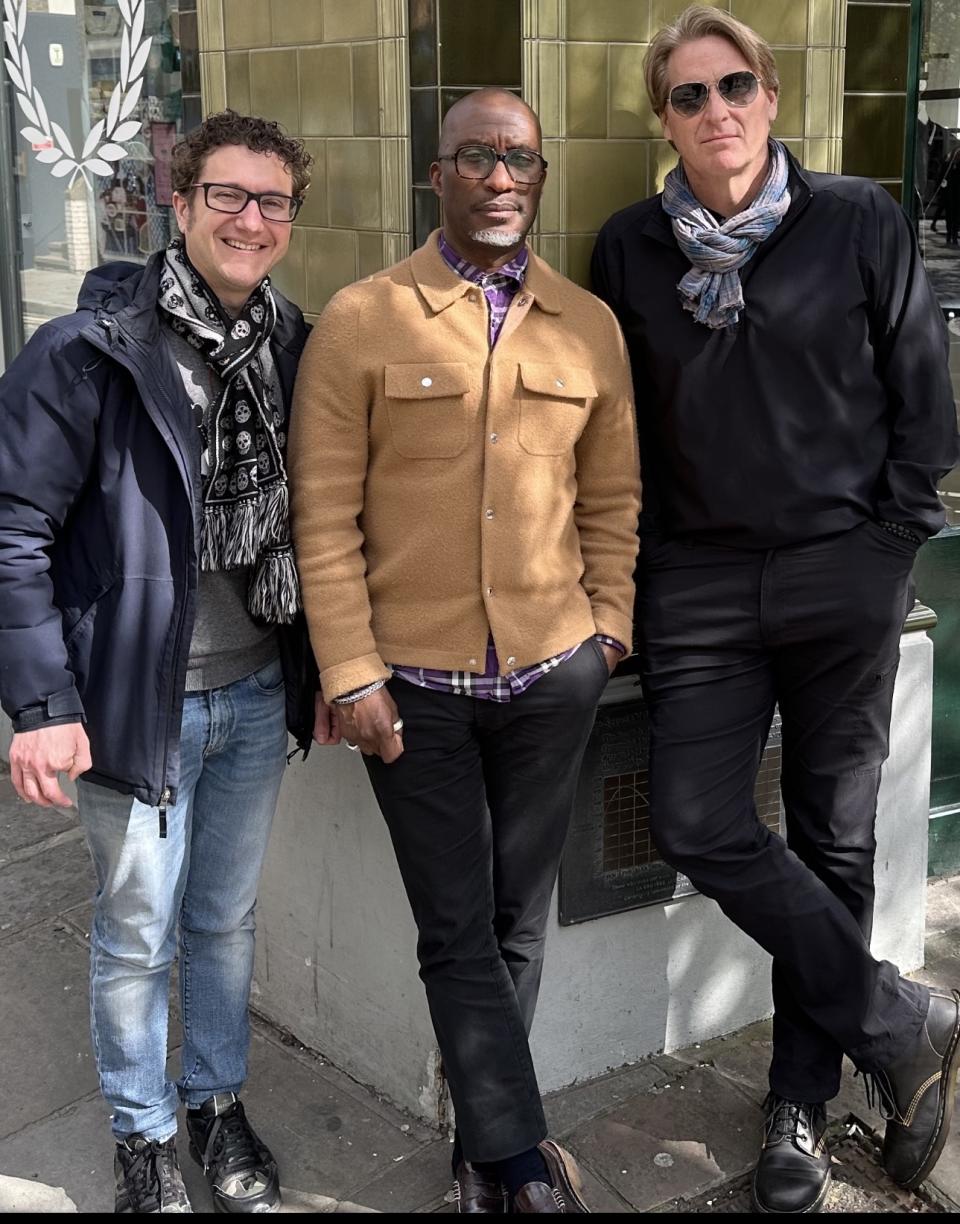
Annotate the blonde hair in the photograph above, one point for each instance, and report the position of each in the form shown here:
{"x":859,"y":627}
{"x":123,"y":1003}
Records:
{"x":702,"y":21}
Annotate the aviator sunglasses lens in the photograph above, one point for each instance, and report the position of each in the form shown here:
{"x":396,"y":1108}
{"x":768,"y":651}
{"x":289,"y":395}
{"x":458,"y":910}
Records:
{"x":688,"y":99}
{"x":736,"y":89}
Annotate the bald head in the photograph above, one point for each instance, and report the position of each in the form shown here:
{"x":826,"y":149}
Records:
{"x":482,"y":109}
{"x":487,"y":212}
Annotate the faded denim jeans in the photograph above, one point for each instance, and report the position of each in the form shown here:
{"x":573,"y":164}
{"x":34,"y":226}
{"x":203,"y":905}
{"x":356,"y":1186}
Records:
{"x":204,"y":876}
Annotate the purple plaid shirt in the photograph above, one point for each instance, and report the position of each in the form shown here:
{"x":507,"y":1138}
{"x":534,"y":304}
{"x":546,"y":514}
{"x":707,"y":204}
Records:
{"x":499,"y":288}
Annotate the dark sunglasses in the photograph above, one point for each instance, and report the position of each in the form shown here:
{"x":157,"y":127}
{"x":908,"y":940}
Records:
{"x":736,"y":89}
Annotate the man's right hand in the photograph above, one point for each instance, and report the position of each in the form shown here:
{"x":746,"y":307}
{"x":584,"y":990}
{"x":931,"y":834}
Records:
{"x":38,"y":757}
{"x":369,"y":724}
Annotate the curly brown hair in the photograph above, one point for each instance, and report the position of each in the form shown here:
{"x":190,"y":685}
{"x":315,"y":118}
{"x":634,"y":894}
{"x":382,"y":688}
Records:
{"x":230,"y":128}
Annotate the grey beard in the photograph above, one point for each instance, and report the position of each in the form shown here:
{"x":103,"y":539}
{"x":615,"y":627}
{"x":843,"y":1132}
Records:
{"x":497,"y":238}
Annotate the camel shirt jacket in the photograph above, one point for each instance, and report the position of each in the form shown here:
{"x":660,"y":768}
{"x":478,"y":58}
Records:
{"x":443,"y":491}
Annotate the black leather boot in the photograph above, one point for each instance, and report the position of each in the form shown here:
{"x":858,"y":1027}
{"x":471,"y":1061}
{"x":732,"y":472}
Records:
{"x":916,"y":1093}
{"x":793,"y":1172}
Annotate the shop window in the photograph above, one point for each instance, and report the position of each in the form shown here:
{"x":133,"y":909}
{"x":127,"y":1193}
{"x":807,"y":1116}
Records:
{"x":100,"y":92}
{"x":937,"y":181}
{"x":454,"y":48}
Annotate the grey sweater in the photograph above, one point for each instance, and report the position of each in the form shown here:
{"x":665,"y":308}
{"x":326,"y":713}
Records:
{"x":227,"y":643}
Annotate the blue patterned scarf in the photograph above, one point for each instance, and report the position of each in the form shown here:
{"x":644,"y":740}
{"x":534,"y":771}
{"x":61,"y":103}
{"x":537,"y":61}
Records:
{"x":711,"y":290}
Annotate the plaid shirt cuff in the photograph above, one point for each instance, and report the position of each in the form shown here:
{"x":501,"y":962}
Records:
{"x":609,"y":641}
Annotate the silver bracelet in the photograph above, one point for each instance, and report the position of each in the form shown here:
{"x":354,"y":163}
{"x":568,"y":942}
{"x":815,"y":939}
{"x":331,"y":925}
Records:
{"x":359,"y":694}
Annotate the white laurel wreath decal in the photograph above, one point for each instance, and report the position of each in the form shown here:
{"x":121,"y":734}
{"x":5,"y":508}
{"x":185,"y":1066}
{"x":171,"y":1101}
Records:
{"x":104,"y":143}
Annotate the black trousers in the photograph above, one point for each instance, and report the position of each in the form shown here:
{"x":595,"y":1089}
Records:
{"x":478,"y":808}
{"x":814,"y":628}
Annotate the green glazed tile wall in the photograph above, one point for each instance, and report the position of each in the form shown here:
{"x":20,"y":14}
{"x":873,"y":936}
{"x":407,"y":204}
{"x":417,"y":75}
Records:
{"x":875,"y":91}
{"x":455,"y":47}
{"x":582,"y":72}
{"x":333,"y":72}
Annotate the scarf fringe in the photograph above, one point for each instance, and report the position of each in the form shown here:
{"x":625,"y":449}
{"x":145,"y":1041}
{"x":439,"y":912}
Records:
{"x":275,"y":590}
{"x":254,"y":532}
{"x":235,"y":535}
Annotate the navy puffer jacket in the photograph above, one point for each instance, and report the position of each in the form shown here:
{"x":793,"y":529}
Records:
{"x":99,"y":526}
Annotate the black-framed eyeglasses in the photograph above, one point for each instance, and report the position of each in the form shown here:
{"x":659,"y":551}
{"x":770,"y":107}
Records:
{"x":226,"y":198}
{"x":478,"y":161}
{"x":736,"y":89}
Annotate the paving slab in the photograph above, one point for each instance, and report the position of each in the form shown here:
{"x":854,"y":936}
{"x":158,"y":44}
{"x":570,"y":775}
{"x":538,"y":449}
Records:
{"x":80,"y":917}
{"x":23,"y":825}
{"x":570,"y":1107}
{"x":363,"y":1094}
{"x":943,"y":905}
{"x":942,"y":957}
{"x":946,"y":1176}
{"x":44,"y":1026}
{"x":72,"y":1149}
{"x":417,"y":1183}
{"x":743,"y":1057}
{"x":600,"y":1197}
{"x":693,"y":1133}
{"x":64,"y":1163}
{"x":859,"y":1185}
{"x":38,"y":887}
{"x":326,"y":1141}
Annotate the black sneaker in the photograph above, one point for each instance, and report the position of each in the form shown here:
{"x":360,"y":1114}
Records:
{"x":148,"y":1177}
{"x":241,"y":1172}
{"x":793,"y":1172}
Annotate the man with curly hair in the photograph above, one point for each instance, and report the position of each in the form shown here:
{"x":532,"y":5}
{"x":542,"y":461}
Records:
{"x":151,"y":640}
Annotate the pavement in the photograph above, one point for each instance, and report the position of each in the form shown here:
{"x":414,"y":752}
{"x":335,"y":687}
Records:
{"x":674,"y":1133}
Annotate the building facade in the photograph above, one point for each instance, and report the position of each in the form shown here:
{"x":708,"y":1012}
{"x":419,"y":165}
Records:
{"x":95,"y":95}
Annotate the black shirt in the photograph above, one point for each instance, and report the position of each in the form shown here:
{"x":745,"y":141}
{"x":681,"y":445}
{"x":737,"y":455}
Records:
{"x":828,"y":403}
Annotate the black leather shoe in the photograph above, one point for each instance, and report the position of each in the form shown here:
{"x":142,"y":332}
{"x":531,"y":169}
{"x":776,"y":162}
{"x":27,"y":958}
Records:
{"x":477,"y":1194}
{"x":917,"y":1091}
{"x":537,"y":1198}
{"x":793,"y":1172}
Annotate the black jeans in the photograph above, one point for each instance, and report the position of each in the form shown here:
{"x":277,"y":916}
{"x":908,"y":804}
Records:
{"x":478,"y":808}
{"x":814,"y":628}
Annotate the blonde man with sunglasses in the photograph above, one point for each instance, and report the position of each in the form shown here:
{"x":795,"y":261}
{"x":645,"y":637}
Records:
{"x":795,"y":415}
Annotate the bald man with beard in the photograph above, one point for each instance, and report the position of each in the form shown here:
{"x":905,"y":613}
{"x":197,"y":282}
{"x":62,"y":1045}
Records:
{"x":465,"y":496}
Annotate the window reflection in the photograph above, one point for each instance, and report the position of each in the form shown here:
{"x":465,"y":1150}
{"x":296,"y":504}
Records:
{"x":938,"y":181}
{"x":110,"y":81}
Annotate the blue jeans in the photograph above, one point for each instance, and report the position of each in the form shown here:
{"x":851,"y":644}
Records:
{"x":205,"y":873}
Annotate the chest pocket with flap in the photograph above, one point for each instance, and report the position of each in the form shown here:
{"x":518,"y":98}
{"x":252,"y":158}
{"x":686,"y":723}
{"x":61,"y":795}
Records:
{"x":427,"y":407}
{"x":553,"y":406}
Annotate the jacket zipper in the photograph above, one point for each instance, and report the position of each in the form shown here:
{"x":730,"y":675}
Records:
{"x":113,"y":335}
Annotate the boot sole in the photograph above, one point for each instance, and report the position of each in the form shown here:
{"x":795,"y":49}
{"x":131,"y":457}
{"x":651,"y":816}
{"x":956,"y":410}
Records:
{"x":948,"y":1087}
{"x":815,"y":1207}
{"x":562,"y":1164}
{"x":218,"y":1199}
